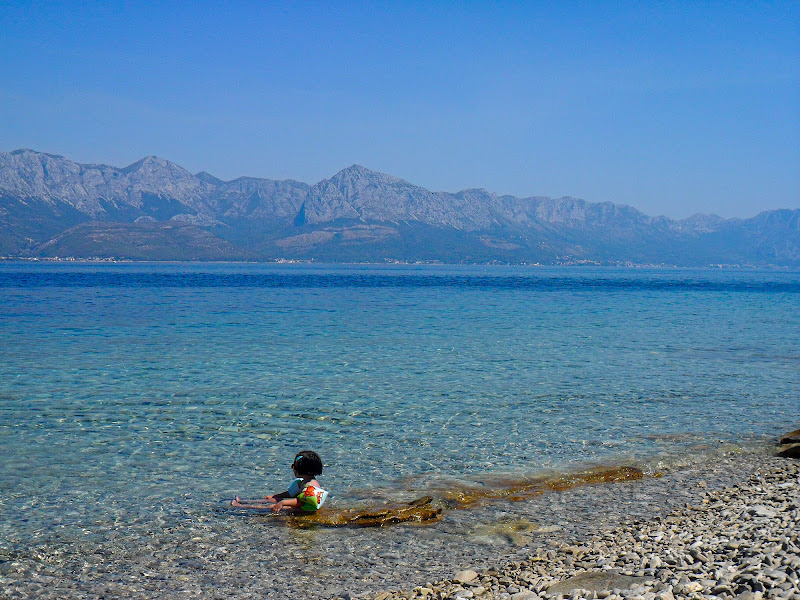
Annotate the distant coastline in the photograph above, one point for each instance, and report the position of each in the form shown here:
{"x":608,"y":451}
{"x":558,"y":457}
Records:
{"x":154,"y":210}
{"x":311,"y":261}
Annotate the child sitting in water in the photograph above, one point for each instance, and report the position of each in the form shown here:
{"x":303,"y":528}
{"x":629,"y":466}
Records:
{"x":304,"y":493}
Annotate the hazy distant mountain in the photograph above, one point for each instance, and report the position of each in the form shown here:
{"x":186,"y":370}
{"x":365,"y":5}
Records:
{"x":156,"y":210}
{"x":149,"y":186}
{"x":248,"y":197}
{"x":359,"y":194}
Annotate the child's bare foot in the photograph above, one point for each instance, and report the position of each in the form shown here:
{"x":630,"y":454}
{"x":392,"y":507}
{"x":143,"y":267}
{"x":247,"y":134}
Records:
{"x":237,"y":502}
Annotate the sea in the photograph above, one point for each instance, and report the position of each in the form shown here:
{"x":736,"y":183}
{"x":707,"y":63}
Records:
{"x":136,"y":400}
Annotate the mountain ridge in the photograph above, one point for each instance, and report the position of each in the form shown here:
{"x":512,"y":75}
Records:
{"x":356,"y":214}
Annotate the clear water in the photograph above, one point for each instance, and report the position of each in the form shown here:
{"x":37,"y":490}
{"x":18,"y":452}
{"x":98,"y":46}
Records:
{"x":135,"y":398}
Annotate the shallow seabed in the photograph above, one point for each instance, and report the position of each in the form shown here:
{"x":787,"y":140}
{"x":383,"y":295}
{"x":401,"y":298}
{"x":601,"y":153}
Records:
{"x":136,"y":400}
{"x":222,"y":553}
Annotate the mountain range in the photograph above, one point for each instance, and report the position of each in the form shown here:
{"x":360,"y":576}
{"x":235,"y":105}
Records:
{"x":154,"y":209}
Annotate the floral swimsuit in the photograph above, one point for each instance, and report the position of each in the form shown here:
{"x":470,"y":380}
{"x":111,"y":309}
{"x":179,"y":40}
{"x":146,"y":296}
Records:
{"x":311,"y":497}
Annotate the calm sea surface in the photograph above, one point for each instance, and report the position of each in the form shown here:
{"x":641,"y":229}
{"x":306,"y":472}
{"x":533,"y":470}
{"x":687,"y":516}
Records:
{"x":135,"y":399}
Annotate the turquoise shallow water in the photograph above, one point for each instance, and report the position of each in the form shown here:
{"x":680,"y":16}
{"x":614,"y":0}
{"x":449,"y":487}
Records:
{"x":139,"y":397}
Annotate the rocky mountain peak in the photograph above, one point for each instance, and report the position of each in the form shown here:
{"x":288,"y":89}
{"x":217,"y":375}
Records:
{"x":356,"y":178}
{"x":209,"y":178}
{"x":358,"y":193}
{"x":153,"y":166}
{"x":28,"y":153}
{"x":36,"y":174}
{"x":356,"y":171}
{"x":91,"y":188}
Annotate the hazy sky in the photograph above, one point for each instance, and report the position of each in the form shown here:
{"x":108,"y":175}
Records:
{"x":671,"y":107}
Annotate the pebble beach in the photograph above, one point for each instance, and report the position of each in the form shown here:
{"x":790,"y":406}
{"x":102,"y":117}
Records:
{"x":737,"y":541}
{"x":722,"y":527}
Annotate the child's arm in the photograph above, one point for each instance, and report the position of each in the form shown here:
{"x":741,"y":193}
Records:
{"x":266,"y":503}
{"x":277,"y":497}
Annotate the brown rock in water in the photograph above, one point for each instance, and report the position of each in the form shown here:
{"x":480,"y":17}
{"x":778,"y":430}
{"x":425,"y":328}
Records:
{"x":793,"y":437}
{"x":421,"y":511}
{"x":424,"y":511}
{"x":517,"y":491}
{"x":792,"y":451}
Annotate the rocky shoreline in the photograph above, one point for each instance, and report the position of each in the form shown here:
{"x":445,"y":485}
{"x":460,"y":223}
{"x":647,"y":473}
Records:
{"x":738,"y":542}
{"x":720,"y":523}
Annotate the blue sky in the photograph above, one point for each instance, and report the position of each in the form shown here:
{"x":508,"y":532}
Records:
{"x":671,"y":107}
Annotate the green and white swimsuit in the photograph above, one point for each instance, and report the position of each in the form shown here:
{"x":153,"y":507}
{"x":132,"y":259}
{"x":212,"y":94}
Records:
{"x":311,"y":497}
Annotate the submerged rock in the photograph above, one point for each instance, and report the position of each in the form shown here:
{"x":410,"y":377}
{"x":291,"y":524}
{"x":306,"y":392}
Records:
{"x":426,"y":510}
{"x":793,"y":437}
{"x":596,"y":581}
{"x":421,"y":510}
{"x":792,"y":451}
{"x":517,"y":491}
{"x":516,"y":532}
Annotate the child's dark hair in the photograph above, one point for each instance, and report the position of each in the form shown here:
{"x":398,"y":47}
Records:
{"x":308,"y":462}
